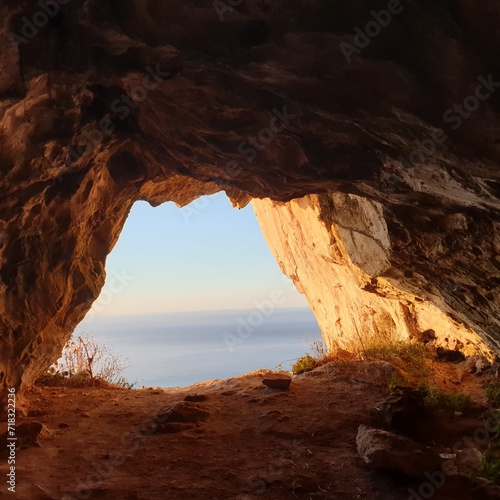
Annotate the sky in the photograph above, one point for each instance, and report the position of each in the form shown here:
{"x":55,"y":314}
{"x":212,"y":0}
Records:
{"x":206,"y":256}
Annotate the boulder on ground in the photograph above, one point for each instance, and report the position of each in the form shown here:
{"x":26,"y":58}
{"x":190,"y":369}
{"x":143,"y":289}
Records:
{"x":184,"y":411}
{"x":281,"y":383}
{"x":28,"y":434}
{"x":404,"y":410}
{"x":176,"y":417}
{"x":195,"y":398}
{"x":385,"y":450}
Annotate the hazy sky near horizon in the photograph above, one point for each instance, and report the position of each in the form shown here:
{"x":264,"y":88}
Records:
{"x":208,"y":256}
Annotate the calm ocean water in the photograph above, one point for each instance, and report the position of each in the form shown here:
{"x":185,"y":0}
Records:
{"x":180,"y":349}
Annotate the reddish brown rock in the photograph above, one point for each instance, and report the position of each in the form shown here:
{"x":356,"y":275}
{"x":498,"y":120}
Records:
{"x":195,"y":398}
{"x":281,"y":383}
{"x":385,"y":450}
{"x":28,"y":434}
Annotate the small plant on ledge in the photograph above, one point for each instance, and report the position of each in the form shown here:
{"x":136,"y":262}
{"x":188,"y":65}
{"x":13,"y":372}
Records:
{"x":305,"y":364}
{"x":492,"y":389}
{"x":438,"y":398}
{"x":84,"y":362}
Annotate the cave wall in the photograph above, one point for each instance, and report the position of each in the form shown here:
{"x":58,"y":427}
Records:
{"x":337,"y":249}
{"x":104,"y":103}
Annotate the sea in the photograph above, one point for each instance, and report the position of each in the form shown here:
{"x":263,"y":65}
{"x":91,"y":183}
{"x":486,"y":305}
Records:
{"x":180,"y":349}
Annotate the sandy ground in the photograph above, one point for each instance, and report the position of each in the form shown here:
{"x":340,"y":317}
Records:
{"x":245,"y":442}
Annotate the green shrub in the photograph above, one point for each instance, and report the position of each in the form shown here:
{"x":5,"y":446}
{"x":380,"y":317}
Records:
{"x":394,"y":381}
{"x":493,"y":392}
{"x":489,"y":466}
{"x":438,"y":398}
{"x":305,"y":364}
{"x":411,"y":353}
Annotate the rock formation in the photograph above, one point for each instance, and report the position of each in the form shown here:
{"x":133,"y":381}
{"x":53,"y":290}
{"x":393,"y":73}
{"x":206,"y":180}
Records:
{"x":385,"y":113}
{"x":338,"y":250}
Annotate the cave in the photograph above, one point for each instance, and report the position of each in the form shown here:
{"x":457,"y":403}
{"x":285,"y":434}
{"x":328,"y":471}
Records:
{"x":194,"y":294}
{"x":367,"y":142}
{"x":365,"y":134}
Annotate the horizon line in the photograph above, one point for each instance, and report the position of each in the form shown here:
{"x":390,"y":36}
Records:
{"x":151,"y":313}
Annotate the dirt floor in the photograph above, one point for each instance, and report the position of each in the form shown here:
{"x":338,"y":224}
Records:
{"x":239,"y":440}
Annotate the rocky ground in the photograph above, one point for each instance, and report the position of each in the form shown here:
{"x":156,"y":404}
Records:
{"x":238,"y":439}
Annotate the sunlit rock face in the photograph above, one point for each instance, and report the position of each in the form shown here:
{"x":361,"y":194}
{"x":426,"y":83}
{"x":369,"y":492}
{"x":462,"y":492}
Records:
{"x":338,"y":251}
{"x":103,"y":103}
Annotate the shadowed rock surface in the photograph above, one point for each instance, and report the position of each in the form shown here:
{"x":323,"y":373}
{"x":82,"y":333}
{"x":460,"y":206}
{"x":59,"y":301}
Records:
{"x":385,"y":450}
{"x":112,"y":102}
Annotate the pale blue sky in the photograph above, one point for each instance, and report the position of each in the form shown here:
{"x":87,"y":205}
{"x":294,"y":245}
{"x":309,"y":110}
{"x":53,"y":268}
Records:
{"x":208,"y":256}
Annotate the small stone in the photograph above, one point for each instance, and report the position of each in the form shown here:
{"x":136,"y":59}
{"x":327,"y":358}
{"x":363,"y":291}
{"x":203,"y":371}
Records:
{"x":178,"y":417}
{"x":29,"y":433}
{"x":196,"y":398}
{"x":476,"y":365}
{"x":184,"y":412}
{"x":281,"y":383}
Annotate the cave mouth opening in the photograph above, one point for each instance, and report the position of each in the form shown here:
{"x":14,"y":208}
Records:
{"x":194,"y":294}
